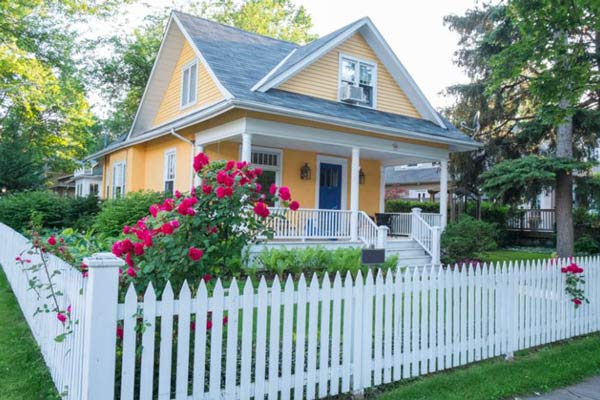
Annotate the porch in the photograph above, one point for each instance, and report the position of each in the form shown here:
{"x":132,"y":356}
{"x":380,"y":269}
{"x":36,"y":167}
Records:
{"x":338,"y":178}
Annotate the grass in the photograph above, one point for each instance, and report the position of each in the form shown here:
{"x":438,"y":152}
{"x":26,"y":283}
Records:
{"x":513,"y":255}
{"x":23,"y":371}
{"x":531,"y":371}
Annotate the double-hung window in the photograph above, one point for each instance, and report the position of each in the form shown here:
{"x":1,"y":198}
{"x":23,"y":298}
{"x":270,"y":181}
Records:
{"x":118,"y":179}
{"x":359,"y":73}
{"x":189,"y":84}
{"x":270,"y":162}
{"x":169,"y":171}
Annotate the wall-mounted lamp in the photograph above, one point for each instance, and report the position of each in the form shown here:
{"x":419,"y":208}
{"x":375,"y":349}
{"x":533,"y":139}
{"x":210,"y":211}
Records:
{"x":305,"y":172}
{"x":361,"y":177}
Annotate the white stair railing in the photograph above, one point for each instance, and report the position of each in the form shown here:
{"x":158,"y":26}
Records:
{"x":308,"y":223}
{"x":400,"y":223}
{"x":371,"y":234}
{"x":426,"y":235}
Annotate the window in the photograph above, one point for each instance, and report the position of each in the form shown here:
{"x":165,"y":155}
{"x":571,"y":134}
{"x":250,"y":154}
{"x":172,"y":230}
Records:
{"x":94,"y":189}
{"x":189,"y":79}
{"x":118,"y":179}
{"x":270,"y":161}
{"x":169,"y":171}
{"x":354,"y":72}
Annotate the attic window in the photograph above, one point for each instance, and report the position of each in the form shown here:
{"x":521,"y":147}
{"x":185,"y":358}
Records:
{"x":357,"y":81}
{"x":189,"y":83}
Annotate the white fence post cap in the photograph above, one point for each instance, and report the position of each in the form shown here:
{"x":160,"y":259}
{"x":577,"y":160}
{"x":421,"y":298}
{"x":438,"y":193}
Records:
{"x":416,"y":210}
{"x":103,"y":260}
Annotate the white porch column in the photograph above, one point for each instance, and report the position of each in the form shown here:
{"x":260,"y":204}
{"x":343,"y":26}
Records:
{"x":382,"y":189}
{"x":198,"y":148}
{"x":444,"y":192}
{"x":246,"y":147}
{"x":354,"y":183}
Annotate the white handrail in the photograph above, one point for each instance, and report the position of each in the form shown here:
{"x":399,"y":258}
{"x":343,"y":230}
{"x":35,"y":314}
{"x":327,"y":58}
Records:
{"x":367,"y":229}
{"x":426,"y":235}
{"x":400,"y":223}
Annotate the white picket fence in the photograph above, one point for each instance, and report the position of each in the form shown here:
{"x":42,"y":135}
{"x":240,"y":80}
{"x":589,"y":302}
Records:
{"x":318,"y":338}
{"x":64,"y":359}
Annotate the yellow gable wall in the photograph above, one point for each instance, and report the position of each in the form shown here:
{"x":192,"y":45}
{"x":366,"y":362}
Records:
{"x":207,"y":90}
{"x":321,"y":78}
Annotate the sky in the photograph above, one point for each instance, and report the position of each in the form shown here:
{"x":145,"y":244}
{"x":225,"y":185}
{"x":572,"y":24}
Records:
{"x":414,"y":30}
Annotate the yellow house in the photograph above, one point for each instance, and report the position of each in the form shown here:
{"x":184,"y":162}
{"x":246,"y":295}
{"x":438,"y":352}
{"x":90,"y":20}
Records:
{"x":324,"y":119}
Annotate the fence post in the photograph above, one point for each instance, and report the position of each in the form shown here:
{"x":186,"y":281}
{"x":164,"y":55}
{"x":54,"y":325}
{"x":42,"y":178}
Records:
{"x":101,"y":301}
{"x":414,"y":221}
{"x":436,"y":234}
{"x":382,"y":234}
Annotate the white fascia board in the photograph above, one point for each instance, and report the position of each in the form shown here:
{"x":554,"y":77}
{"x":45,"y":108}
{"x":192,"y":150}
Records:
{"x":348,"y":140}
{"x":271,"y":72}
{"x":342,"y":122}
{"x":221,"y":132}
{"x":308,"y":60}
{"x":150,"y":78}
{"x":400,"y":74}
{"x":222,"y":88}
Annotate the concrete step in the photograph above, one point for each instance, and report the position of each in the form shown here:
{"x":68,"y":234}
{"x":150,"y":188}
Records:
{"x":402,"y":245}
{"x":413,"y":261}
{"x":412,"y":252}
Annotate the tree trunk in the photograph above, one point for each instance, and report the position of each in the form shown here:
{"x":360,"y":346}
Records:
{"x":564,"y":189}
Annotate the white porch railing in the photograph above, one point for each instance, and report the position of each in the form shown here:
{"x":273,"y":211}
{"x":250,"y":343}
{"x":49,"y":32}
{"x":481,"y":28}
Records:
{"x":426,"y":235}
{"x":305,"y":224}
{"x":400,"y":223}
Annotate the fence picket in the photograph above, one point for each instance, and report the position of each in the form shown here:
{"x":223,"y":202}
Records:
{"x":216,"y":341}
{"x":300,"y":339}
{"x":183,"y":343}
{"x":336,"y":312}
{"x":128,"y":364}
{"x":261,"y":340}
{"x":324,"y":356}
{"x":389,"y":324}
{"x":313,"y":327}
{"x":286,"y":346}
{"x":166,"y":343}
{"x":378,"y":330}
{"x":232,"y":339}
{"x":198,"y":379}
{"x":147,"y":367}
{"x":247,"y":325}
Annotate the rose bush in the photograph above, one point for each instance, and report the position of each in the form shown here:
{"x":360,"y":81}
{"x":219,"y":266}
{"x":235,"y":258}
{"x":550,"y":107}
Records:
{"x":203,"y":233}
{"x":573,"y":280}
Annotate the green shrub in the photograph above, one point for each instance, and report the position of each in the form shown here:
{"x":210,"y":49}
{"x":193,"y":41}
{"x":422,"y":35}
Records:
{"x":282,"y":261}
{"x":586,"y":244}
{"x":467,"y":239}
{"x":116,"y":213}
{"x":48,"y":209}
{"x":407,"y":205}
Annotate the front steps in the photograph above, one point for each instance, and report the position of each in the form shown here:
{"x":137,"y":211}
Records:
{"x":409,"y":252}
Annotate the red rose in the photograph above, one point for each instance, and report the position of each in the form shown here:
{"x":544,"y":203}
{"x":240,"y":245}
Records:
{"x":229,"y":181}
{"x":154,"y":210}
{"x":273,"y":189}
{"x":175,"y":224}
{"x":167,"y":228}
{"x":206,"y":189}
{"x":258,"y":171}
{"x":177,"y":194}
{"x":206,"y":278}
{"x":225,"y":320}
{"x":241,"y":164}
{"x":208,"y":324}
{"x":200,"y":160}
{"x":52,"y":241}
{"x":126,"y":229}
{"x":138,"y":248}
{"x":131,"y":272}
{"x":126,"y":245}
{"x":195,"y":254}
{"x":258,"y":187}
{"x":230,"y":164}
{"x":220,"y":192}
{"x":116,"y":249}
{"x":120,"y":332}
{"x":284,"y":193}
{"x":577,"y":302}
{"x":168,"y":204}
{"x":221,"y":177}
{"x":261,"y":209}
{"x":61,"y":317}
{"x":129,"y":260}
{"x":294,"y":205}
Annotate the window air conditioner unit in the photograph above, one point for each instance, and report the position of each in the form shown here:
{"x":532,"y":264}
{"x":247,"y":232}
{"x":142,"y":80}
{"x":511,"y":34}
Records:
{"x":352,"y":94}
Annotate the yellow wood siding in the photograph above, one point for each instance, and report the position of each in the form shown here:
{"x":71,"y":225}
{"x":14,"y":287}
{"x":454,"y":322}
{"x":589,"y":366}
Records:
{"x":321,"y":78}
{"x":207,"y":90}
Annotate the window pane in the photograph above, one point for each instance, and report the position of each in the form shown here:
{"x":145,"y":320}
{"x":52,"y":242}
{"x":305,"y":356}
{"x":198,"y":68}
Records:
{"x":366,"y":74}
{"x":193,"y":81}
{"x":368,"y":94}
{"x":266,"y":180}
{"x":169,"y":187}
{"x":185,"y":87}
{"x":348,"y":71}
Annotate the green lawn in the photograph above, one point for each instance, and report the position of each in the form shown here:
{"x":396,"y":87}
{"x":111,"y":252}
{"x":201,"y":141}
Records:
{"x":512,"y":255}
{"x":539,"y":370}
{"x":23,"y":374}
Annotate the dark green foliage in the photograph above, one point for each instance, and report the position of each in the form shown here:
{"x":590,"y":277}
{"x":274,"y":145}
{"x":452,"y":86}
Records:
{"x":18,"y":167}
{"x":117,"y":213}
{"x":48,"y":209}
{"x":408,"y":205}
{"x":313,"y":260}
{"x":586,"y":244}
{"x":467,"y":239}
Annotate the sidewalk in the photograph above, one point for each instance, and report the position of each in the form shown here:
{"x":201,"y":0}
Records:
{"x":586,"y":390}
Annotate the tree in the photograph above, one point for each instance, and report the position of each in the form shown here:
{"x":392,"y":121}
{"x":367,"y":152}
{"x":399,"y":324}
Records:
{"x":123,"y":75}
{"x":42,"y":100}
{"x":18,"y":168}
{"x":535,"y":65}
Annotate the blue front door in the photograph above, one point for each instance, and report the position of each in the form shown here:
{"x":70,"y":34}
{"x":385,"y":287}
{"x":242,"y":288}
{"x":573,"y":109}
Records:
{"x":330,"y":187}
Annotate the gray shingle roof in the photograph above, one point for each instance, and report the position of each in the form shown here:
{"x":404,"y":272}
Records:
{"x":240,"y":59}
{"x":408,"y":176}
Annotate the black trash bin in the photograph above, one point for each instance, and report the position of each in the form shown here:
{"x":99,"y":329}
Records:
{"x":383,"y":219}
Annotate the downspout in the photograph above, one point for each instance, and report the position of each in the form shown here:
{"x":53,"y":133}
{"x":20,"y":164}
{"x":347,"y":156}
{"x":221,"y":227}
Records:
{"x":190,"y":142}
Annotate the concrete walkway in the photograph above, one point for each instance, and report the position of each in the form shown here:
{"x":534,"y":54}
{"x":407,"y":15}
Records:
{"x":586,"y":390}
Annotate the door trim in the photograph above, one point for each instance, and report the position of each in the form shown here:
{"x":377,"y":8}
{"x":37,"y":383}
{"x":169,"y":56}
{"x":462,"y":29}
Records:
{"x":337,"y":161}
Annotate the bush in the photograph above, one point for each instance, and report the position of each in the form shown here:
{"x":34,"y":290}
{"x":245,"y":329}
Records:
{"x":313,"y":260}
{"x":586,"y":244}
{"x":116,"y":213}
{"x":467,"y":239}
{"x":48,"y":209}
{"x":408,"y":205}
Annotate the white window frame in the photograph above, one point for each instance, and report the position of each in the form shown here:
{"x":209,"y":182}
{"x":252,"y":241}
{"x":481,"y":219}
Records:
{"x":168,"y":153}
{"x":358,"y":61}
{"x":278,"y":169}
{"x":122,"y":166}
{"x":188,"y":67}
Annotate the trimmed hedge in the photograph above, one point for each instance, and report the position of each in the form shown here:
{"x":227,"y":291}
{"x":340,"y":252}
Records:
{"x":407,"y":206}
{"x":467,"y":239}
{"x":48,"y":209}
